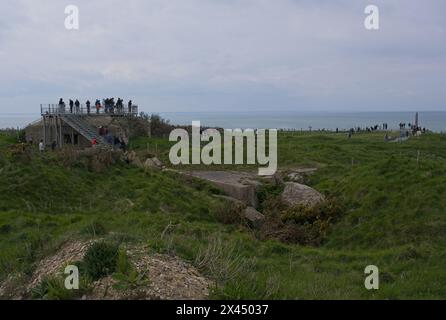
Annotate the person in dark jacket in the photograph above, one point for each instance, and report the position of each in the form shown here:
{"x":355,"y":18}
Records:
{"x":71,"y":106}
{"x":88,"y":106}
{"x":77,"y":104}
{"x":61,"y":106}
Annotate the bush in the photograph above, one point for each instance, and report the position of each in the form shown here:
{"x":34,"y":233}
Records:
{"x":5,"y":228}
{"x":101,"y":260}
{"x":327,"y":211}
{"x":229,"y":212}
{"x":127,"y":278}
{"x":53,"y":288}
{"x":301,"y":224}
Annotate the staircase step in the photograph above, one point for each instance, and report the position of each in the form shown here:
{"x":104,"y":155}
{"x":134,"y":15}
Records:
{"x":79,"y":124}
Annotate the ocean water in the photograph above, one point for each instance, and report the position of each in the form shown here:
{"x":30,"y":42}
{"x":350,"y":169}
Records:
{"x":435,"y":120}
{"x":16,"y":120}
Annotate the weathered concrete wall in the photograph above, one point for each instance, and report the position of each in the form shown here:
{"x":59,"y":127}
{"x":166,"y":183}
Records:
{"x":120,"y":127}
{"x":35,"y":133}
{"x":237,"y":185}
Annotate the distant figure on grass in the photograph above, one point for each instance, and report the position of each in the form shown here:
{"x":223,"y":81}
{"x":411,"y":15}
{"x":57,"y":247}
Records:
{"x":88,"y":103}
{"x":71,"y":106}
{"x":41,"y":147}
{"x":53,"y":145}
{"x":350,"y":133}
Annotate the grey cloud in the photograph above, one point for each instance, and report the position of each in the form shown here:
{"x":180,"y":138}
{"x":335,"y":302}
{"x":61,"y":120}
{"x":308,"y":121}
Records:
{"x":209,"y":55}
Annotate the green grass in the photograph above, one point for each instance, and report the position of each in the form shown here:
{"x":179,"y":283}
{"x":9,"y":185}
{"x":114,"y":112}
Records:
{"x":395,"y":217}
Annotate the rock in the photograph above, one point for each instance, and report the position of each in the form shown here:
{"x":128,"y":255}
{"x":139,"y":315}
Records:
{"x":254,"y":218}
{"x":300,"y":175}
{"x":137,"y":162}
{"x":157,"y":162}
{"x":153,"y":163}
{"x":296,"y":177}
{"x":299,"y":194}
{"x":130,"y":156}
{"x":274,"y":179}
{"x":150,"y":164}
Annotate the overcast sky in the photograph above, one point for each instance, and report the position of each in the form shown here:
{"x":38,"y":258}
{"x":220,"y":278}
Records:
{"x":225,"y":55}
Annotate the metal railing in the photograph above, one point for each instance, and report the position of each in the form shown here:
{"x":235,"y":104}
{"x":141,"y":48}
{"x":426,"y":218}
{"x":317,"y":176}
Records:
{"x":56,"y":109}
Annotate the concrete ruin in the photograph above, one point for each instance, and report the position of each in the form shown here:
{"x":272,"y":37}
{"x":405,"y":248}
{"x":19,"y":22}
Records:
{"x":238,"y":185}
{"x":80,"y":129}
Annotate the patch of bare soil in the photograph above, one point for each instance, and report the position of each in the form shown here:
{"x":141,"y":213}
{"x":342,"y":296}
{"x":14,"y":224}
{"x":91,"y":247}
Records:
{"x":70,"y":252}
{"x":168,"y":277}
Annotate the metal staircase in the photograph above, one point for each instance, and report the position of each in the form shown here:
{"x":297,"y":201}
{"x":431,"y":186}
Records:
{"x":78,"y":123}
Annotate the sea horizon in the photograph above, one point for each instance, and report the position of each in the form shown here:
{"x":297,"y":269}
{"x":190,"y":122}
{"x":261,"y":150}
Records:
{"x":289,"y":120}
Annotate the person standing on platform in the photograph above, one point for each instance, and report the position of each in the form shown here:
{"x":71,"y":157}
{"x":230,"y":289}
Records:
{"x":77,"y":104}
{"x":88,"y":106}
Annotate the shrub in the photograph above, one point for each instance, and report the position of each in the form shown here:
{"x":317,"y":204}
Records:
{"x":222,"y":261}
{"x":101,"y":259}
{"x":301,"y":224}
{"x":127,"y":278}
{"x":229,"y":212}
{"x":53,"y":288}
{"x":327,"y":211}
{"x":248,"y":287}
{"x":5,"y":228}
